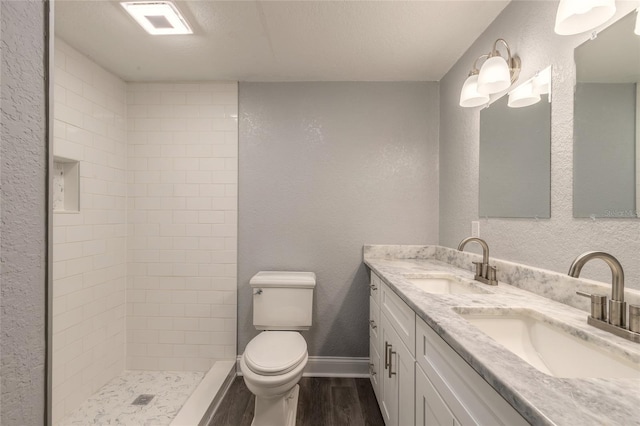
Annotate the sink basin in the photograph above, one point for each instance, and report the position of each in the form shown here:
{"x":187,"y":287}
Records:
{"x":550,"y":346}
{"x":443,"y":283}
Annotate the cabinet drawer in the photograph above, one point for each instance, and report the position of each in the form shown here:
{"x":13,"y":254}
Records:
{"x":401,"y":317}
{"x":374,"y":287}
{"x":374,"y":322}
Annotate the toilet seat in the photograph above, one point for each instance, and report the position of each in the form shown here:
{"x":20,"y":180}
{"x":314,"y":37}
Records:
{"x":274,"y":353}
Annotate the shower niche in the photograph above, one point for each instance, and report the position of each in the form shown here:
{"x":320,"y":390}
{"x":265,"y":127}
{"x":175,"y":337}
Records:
{"x":66,"y":185}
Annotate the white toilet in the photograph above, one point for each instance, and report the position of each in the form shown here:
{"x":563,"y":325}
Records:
{"x":273,"y":361}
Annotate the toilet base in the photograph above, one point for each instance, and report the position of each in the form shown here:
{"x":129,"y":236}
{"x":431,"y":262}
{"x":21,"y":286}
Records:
{"x":280,"y":411}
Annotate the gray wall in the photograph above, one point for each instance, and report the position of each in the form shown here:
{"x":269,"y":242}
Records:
{"x":23,"y":217}
{"x":605,"y":150}
{"x":324,"y":169}
{"x":552,"y":244}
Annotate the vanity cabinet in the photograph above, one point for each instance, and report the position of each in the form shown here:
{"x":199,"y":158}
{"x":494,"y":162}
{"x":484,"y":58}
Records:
{"x":418,"y":378}
{"x":391,"y":331}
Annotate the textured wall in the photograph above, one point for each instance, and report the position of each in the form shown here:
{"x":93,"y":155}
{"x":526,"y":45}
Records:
{"x":89,"y":247}
{"x":552,"y":244}
{"x":324,"y":169}
{"x":23,"y":217}
{"x":182,"y":225}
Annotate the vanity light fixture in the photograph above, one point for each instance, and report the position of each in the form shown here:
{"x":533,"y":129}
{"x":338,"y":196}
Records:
{"x":498,"y":73}
{"x":523,"y":95}
{"x":529,"y":92}
{"x":469,"y":96}
{"x":495,"y":75}
{"x":158,"y":17}
{"x":578,"y":16}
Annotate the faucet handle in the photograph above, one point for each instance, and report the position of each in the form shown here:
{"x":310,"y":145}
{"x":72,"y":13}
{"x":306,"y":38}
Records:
{"x":479,"y":272}
{"x":492,"y":275}
{"x":634,"y":318}
{"x":598,"y":305}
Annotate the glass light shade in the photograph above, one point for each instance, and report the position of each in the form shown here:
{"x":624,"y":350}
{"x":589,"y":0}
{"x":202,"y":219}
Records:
{"x":469,"y":96}
{"x":637,"y":29}
{"x":578,"y":16}
{"x":523,"y":96}
{"x":494,"y":76}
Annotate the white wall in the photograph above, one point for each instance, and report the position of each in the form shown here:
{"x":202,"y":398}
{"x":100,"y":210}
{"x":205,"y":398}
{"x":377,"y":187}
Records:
{"x":182,"y":225}
{"x":552,"y":244}
{"x":89,"y":247}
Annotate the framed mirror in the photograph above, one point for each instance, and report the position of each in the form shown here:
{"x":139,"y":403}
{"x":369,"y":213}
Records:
{"x":515,"y":152}
{"x":606,"y":121}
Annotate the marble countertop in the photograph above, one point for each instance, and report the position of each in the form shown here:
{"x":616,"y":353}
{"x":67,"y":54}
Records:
{"x":538,"y":397}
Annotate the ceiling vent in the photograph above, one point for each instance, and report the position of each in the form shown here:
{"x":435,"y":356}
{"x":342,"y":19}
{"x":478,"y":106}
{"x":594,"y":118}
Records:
{"x":158,"y":17}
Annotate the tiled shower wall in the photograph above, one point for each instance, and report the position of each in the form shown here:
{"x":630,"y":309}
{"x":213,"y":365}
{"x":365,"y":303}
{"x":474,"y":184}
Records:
{"x":89,"y":247}
{"x":182,"y":225}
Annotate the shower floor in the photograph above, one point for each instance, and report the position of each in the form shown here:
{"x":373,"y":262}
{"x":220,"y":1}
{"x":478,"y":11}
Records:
{"x":111,"y":405}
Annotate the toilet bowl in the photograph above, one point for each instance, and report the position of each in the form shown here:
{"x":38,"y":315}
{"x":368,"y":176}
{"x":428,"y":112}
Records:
{"x":273,"y":361}
{"x":272,"y":366}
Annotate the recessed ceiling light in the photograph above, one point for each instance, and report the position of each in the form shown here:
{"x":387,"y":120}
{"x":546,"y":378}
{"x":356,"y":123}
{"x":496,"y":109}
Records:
{"x":158,"y":17}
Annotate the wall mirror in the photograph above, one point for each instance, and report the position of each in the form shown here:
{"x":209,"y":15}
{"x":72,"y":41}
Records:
{"x":606,"y":118}
{"x":515,"y":152}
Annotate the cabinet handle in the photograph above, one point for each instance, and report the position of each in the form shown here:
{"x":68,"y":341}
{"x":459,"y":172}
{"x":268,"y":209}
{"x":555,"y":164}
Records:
{"x":391,"y":353}
{"x":386,"y":355}
{"x":373,"y":324}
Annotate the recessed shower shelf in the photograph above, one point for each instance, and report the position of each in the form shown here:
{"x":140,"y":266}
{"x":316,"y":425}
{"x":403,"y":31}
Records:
{"x":66,"y":185}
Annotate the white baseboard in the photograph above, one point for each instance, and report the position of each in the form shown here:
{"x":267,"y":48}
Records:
{"x":330,"y":366}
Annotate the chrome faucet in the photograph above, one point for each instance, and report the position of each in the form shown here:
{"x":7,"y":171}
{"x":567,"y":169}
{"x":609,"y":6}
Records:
{"x":485,"y":273}
{"x":616,"y":323}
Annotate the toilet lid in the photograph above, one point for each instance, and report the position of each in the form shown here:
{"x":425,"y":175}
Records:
{"x":275,"y":352}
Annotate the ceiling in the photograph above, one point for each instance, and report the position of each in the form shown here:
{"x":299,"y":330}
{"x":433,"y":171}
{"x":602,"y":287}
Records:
{"x":282,"y":40}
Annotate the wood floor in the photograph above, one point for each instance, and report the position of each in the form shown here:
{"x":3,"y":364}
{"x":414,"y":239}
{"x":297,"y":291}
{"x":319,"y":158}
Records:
{"x":322,"y":402}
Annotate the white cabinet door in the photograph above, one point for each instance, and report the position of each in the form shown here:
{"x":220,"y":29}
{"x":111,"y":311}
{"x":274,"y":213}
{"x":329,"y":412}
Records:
{"x":389,"y":399}
{"x":404,"y":365}
{"x":398,"y":378}
{"x":431,"y":410}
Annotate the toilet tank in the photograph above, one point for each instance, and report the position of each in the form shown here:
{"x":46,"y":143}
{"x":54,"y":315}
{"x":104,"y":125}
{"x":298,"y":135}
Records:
{"x":282,"y":300}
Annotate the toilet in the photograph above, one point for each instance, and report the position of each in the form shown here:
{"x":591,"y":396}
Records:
{"x":273,"y":361}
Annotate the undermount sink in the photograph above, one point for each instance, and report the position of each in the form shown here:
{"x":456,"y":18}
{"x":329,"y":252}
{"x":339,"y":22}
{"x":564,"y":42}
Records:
{"x":443,"y":283}
{"x":549,"y":346}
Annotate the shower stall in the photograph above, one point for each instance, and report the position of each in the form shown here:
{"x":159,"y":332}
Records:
{"x":144,"y":245}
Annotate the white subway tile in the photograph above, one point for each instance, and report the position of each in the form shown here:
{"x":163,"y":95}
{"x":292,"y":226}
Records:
{"x":171,"y":364}
{"x":197,"y":337}
{"x":199,"y":98}
{"x":212,"y":190}
{"x":186,"y":216}
{"x":173,"y":98}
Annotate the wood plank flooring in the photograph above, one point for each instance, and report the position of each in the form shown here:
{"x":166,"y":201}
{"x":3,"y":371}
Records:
{"x":322,"y":402}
